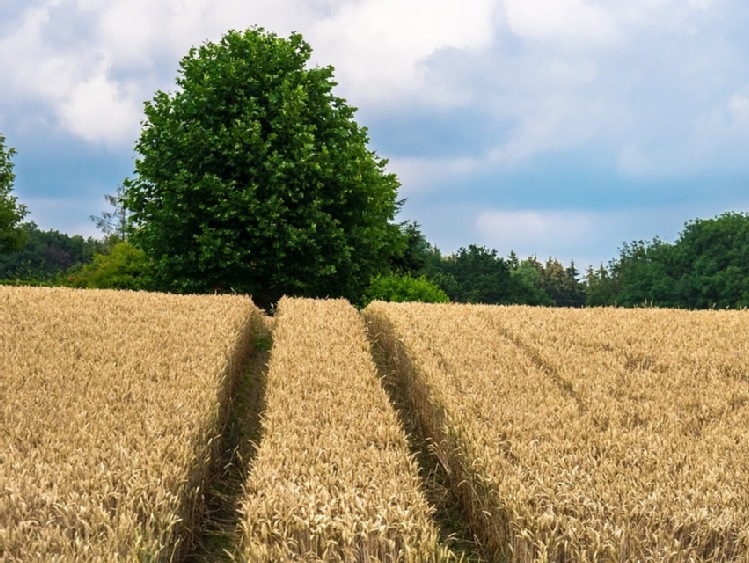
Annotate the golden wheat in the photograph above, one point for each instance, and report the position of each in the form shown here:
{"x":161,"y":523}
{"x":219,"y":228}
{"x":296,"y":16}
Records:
{"x":593,"y":435}
{"x":333,"y":480}
{"x":111,"y":405}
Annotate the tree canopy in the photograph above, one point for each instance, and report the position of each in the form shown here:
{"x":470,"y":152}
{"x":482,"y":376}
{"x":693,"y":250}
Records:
{"x":46,"y":255}
{"x":254,"y":175}
{"x":478,"y":275}
{"x":11,"y":212}
{"x":707,"y":267}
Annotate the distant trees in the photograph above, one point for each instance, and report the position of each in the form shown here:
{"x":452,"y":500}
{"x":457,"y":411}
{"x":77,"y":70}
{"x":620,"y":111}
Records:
{"x":530,"y":273}
{"x":417,"y":251}
{"x":600,"y":289}
{"x":55,"y":258}
{"x":707,"y":267}
{"x":562,"y":284}
{"x":28,"y":254}
{"x":473,"y":275}
{"x":11,"y":211}
{"x":710,"y":262}
{"x":479,"y":275}
{"x":46,"y":255}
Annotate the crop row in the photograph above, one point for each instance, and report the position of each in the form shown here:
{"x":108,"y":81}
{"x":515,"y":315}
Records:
{"x":595,"y":435}
{"x":111,"y":406}
{"x":333,"y":479}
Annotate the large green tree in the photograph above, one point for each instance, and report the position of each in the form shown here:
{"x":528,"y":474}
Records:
{"x":11,"y":212}
{"x":253,"y":175}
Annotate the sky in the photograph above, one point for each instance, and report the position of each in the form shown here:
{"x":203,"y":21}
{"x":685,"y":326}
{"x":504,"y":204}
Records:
{"x":552,"y":128}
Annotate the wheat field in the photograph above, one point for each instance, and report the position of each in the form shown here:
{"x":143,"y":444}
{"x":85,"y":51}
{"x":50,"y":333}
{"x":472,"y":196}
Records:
{"x":584,"y":435}
{"x":111,"y":404}
{"x":567,"y":435}
{"x":333,"y":479}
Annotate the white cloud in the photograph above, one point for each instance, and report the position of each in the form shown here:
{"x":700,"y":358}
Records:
{"x":379,"y":47}
{"x":585,"y":72}
{"x":593,"y":24}
{"x":376,"y":46}
{"x":80,"y":80}
{"x":553,"y":124}
{"x":99,"y":110}
{"x":712,"y":138}
{"x":561,"y":20}
{"x":418,"y":174}
{"x":65,"y":79}
{"x":135,"y":30}
{"x":738,"y":107}
{"x":28,"y":67}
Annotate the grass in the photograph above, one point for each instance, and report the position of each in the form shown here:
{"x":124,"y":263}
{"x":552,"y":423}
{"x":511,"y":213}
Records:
{"x":219,"y":533}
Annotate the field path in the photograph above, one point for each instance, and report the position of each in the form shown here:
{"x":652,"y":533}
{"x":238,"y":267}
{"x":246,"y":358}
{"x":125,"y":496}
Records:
{"x":218,"y":536}
{"x":461,"y":543}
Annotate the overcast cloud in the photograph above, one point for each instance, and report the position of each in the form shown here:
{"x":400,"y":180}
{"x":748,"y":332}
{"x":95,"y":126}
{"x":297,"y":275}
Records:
{"x":549,"y":127}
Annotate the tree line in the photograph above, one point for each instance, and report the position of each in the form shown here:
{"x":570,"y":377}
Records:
{"x":254,"y":177}
{"x":707,"y":267}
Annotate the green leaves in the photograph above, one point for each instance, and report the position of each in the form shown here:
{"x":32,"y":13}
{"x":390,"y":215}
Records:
{"x":11,"y":212}
{"x":124,"y":267}
{"x":253,"y":175}
{"x":402,"y":288}
{"x":707,"y":267}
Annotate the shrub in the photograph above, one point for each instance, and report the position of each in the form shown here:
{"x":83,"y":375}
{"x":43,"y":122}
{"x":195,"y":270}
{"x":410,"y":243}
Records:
{"x":400,"y":288}
{"x":123,"y":268}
